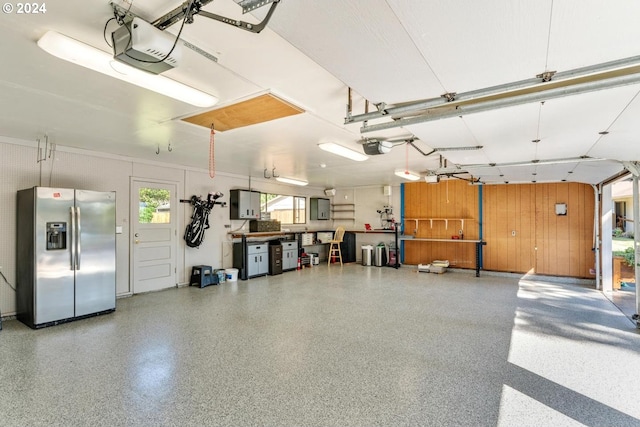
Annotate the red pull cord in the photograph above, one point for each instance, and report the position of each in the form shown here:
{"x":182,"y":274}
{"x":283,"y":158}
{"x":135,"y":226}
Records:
{"x":212,"y":156}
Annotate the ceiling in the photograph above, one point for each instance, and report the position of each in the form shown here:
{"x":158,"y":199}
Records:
{"x":387,"y":51}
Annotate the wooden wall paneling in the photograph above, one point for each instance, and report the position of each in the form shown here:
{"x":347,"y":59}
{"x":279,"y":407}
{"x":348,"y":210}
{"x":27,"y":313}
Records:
{"x":513,"y":205}
{"x":589,"y":248}
{"x":489,"y":225}
{"x":563,"y":244}
{"x":447,"y":199}
{"x":552,"y":228}
{"x":541,"y":228}
{"x":587,"y":203}
{"x":525,"y":234}
{"x":562,"y":235}
{"x":502,"y":228}
{"x":561,"y":261}
{"x":492,"y":229}
{"x":575,"y":202}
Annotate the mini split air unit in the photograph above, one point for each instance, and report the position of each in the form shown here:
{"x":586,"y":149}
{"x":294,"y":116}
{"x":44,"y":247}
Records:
{"x":374,"y":147}
{"x":143,"y":46}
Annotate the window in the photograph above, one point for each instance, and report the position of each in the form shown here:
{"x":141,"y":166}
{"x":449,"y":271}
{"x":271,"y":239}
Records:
{"x":154,"y":206}
{"x":286,"y":209}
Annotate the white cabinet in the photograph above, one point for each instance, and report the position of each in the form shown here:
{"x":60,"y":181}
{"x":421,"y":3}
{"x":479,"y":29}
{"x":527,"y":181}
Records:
{"x":289,"y":255}
{"x":257,"y":260}
{"x":244,"y":204}
{"x":319,"y":208}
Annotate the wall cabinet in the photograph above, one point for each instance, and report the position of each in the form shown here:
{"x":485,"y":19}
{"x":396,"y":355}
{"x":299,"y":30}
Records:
{"x":319,"y":208}
{"x":244,"y":204}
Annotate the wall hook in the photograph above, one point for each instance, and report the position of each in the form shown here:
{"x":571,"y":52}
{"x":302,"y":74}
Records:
{"x":169,"y":149}
{"x":158,"y":149}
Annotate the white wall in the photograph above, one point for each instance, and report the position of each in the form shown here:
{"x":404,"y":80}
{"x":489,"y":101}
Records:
{"x":368,"y":200}
{"x":73,"y":168}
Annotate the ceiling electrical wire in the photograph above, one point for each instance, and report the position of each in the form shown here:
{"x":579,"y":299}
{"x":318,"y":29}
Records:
{"x":546,"y":58}
{"x":7,"y":282}
{"x":120,"y":20}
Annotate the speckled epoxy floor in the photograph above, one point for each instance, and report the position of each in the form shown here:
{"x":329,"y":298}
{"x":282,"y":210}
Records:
{"x":331,"y":346}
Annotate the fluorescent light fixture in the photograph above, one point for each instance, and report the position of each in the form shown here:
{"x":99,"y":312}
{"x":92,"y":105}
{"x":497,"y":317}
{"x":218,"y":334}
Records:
{"x":411,"y":176}
{"x":291,"y":181}
{"x":340,"y":150}
{"x":97,"y":60}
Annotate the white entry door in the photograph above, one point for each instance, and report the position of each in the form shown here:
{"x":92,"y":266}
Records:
{"x":154,"y":240}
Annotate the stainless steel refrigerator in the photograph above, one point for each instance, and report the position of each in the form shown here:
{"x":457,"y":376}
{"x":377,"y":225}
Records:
{"x":66,"y":255}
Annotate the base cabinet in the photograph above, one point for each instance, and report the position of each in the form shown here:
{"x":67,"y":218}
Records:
{"x":275,"y":259}
{"x":289,"y":255}
{"x":251,"y":260}
{"x":257,"y":260}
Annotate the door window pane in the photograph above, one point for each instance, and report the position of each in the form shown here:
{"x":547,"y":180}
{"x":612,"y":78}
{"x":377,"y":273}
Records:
{"x":155,"y":207}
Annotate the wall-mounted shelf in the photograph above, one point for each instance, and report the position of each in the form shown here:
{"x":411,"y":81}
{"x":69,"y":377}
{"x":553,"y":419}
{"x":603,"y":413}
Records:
{"x":347,"y":209}
{"x":446,"y":221}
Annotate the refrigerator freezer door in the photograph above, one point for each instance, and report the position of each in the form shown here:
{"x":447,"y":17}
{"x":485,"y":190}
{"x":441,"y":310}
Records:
{"x":96,"y":252}
{"x":53,"y":287}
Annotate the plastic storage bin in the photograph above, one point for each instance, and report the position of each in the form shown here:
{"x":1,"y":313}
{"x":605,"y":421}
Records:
{"x":232,"y":274}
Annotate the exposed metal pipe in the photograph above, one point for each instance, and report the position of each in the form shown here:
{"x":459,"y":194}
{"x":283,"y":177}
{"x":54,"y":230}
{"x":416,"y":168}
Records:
{"x":564,"y":76}
{"x":461,"y":110}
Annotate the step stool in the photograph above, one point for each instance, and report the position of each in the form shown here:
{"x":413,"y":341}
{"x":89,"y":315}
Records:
{"x":203,"y":275}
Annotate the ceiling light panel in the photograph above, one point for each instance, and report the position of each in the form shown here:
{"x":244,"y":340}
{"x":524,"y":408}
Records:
{"x":595,"y":172}
{"x":454,"y":46}
{"x":570,"y":125}
{"x":576,"y":25}
{"x":291,"y":181}
{"x":408,"y":175}
{"x":622,"y":141}
{"x":342,"y":151}
{"x":394,"y":71}
{"x":89,"y":57}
